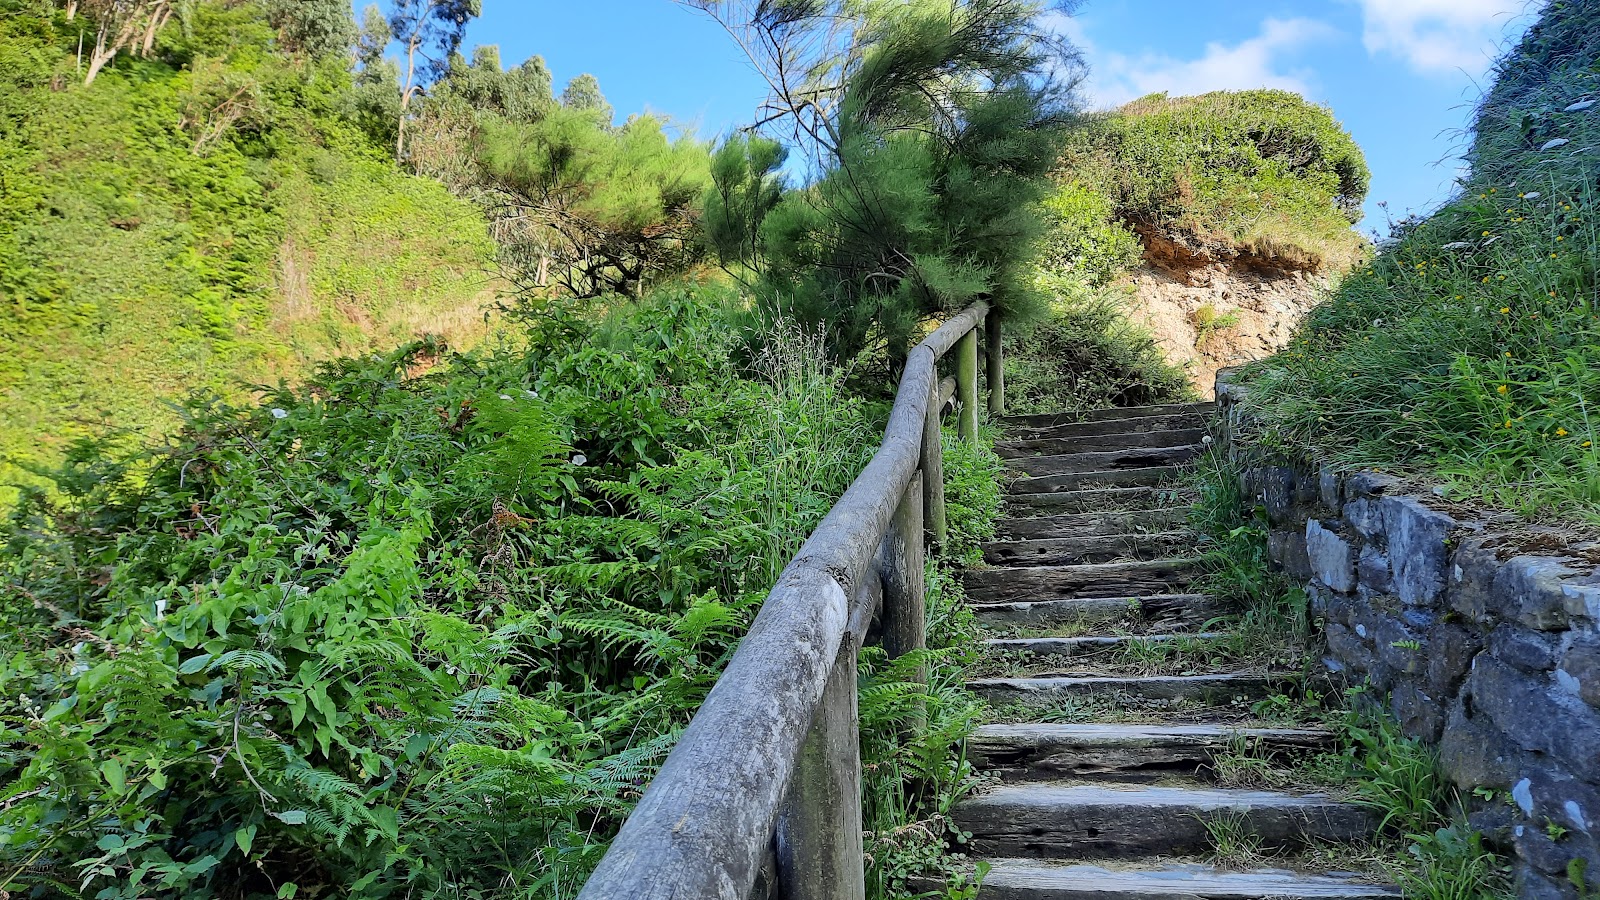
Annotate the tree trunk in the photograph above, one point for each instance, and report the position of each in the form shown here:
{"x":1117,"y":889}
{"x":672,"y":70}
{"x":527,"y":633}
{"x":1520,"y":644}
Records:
{"x":158,"y":21}
{"x":72,"y":10}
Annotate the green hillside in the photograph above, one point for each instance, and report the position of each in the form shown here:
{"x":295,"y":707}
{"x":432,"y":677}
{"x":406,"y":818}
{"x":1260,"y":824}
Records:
{"x":1469,"y":350}
{"x":212,"y":215}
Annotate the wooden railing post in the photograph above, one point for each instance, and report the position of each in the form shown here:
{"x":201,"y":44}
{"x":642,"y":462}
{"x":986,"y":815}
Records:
{"x":904,"y":591}
{"x":995,"y":364}
{"x":967,"y":385}
{"x":932,"y":467}
{"x":819,"y":827}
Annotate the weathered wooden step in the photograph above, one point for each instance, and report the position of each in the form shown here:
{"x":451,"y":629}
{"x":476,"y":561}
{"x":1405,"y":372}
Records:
{"x":1105,"y":461}
{"x":1123,"y":752}
{"x":1137,"y":498}
{"x":1208,"y":689}
{"x":1137,"y":425}
{"x":1044,"y":528}
{"x":1042,"y":819}
{"x":1115,"y":413}
{"x":1155,"y":611}
{"x":1145,"y":476}
{"x":1022,"y":879}
{"x":1118,"y":579}
{"x":1083,"y":646}
{"x":1098,"y":548}
{"x":1129,"y":440}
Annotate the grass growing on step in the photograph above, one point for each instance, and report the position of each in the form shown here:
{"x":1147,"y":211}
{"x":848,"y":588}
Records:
{"x":1234,"y":841}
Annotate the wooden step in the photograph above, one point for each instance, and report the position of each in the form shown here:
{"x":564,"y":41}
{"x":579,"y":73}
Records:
{"x":1087,"y":646}
{"x":1115,"y":413}
{"x":1105,"y":461}
{"x":1157,"y":611}
{"x":1044,"y":528}
{"x":1117,"y":579}
{"x":1137,"y":498}
{"x":1043,"y":819}
{"x":1100,"y":548}
{"x":1146,"y":476}
{"x":1123,"y":752}
{"x":1154,"y":689}
{"x":1128,"y":440}
{"x":1104,"y":427}
{"x":1022,"y":879}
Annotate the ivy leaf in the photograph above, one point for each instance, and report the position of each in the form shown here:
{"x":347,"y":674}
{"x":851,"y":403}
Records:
{"x":245,"y":837}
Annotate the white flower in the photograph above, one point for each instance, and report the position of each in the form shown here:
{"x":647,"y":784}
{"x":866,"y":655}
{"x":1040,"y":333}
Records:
{"x":580,"y":459}
{"x":161,"y":609}
{"x":1532,"y":195}
{"x":531,"y":395}
{"x":1554,"y":143}
{"x":1580,"y":106}
{"x":505,"y":396}
{"x":279,"y":413}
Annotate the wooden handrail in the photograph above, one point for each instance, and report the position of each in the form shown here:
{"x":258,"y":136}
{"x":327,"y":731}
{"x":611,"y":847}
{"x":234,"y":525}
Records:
{"x":772,"y":756}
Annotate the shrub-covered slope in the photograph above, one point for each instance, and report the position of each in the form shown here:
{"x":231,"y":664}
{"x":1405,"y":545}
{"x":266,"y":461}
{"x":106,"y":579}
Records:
{"x":209,"y":215}
{"x":1470,"y":347}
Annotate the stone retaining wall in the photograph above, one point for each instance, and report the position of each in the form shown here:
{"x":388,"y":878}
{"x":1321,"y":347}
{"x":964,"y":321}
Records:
{"x":1481,"y":634}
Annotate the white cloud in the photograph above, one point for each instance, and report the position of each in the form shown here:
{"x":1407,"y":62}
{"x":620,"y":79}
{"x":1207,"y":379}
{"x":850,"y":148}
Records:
{"x":1436,"y":36}
{"x":1256,"y":62}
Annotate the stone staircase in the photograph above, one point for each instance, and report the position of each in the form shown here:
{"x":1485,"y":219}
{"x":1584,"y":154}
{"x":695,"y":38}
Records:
{"x":1106,"y":786}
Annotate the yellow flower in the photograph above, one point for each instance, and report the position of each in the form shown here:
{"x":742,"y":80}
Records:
{"x":1508,"y":423}
{"x":1588,"y":443}
{"x":1561,"y":432}
{"x":1552,"y":293}
{"x":1504,"y":310}
{"x":1508,"y":354}
{"x":1503,"y":389}
{"x":1560,"y":237}
{"x":1486,"y":234}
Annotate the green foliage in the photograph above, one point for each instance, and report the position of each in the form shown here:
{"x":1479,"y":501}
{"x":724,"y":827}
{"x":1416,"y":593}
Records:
{"x":746,"y":184}
{"x":408,"y":631}
{"x":1263,"y":172}
{"x":196,"y":219}
{"x":1470,"y":348}
{"x":926,"y":194}
{"x":583,"y":93}
{"x":317,"y":28}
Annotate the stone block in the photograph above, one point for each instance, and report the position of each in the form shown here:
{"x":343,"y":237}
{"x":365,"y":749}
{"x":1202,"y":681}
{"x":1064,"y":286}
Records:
{"x":1581,"y":667}
{"x":1372,"y":571}
{"x":1332,"y":559}
{"x":1474,"y":753}
{"x":1330,"y":487}
{"x":1582,"y":597}
{"x":1472,"y":572}
{"x":1400,"y":648}
{"x":1554,"y":795}
{"x":1530,"y":651}
{"x":1451,"y":649}
{"x":1537,"y":716}
{"x":1534,"y":885}
{"x":1366,"y":518}
{"x":1417,"y":548}
{"x":1288,"y":549}
{"x":1531,"y":589}
{"x":1420,"y":715}
{"x":1275,"y":485}
{"x":1370,"y":484}
{"x":1350,"y":648}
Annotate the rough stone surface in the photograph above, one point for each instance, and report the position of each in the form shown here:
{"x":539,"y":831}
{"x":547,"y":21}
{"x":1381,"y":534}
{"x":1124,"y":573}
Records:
{"x":1533,"y":584}
{"x":1451,"y":649}
{"x":1370,"y":484}
{"x":1420,"y":715}
{"x":1581,"y":663}
{"x":1331,"y":556}
{"x":1366,"y":518}
{"x":1472,"y":574}
{"x":1372,"y":571}
{"x":1529,"y":651}
{"x":1276,"y":490}
{"x":1288,"y":549}
{"x":1473,"y":753}
{"x":1418,"y":548}
{"x":1330,"y":488}
{"x":1536,"y":716}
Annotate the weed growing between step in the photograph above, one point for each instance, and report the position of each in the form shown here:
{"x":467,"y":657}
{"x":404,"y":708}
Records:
{"x":1424,"y":842}
{"x":913,"y":767}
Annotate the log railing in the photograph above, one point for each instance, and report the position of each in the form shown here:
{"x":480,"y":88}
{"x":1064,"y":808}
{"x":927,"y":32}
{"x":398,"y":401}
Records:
{"x":765,"y":783}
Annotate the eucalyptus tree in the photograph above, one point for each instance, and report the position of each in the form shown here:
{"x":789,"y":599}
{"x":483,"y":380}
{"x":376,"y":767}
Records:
{"x":929,"y":128}
{"x":429,"y":32}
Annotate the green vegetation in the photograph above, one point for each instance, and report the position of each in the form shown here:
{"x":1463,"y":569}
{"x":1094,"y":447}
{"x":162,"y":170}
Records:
{"x":1470,"y":348}
{"x":211,"y":214}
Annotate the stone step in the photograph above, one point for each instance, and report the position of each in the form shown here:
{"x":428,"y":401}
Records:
{"x":1098,"y":548}
{"x":1022,"y":879}
{"x":1044,"y":528}
{"x":1138,"y":498}
{"x":1157,"y":611}
{"x":1154,"y":689}
{"x":1105,"y":462}
{"x":1144,"y":476}
{"x":1049,"y":820}
{"x":1115,"y":413}
{"x":1130,"y":440}
{"x":1087,"y":646}
{"x":1117,"y":579}
{"x":1123,"y":752}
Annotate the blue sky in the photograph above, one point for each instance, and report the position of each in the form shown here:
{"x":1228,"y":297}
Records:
{"x":1401,"y":74}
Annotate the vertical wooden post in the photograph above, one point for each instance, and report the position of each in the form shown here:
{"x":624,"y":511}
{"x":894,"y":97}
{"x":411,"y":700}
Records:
{"x":967,"y":385}
{"x":932,"y":474}
{"x":819,"y":827}
{"x":995,"y":364}
{"x":904,"y":591}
